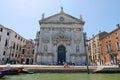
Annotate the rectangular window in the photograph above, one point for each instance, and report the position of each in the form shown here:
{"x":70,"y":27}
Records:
{"x":28,"y":52}
{"x":15,"y":55}
{"x":116,"y":34}
{"x":23,"y":51}
{"x":12,"y":54}
{"x":4,"y":53}
{"x":6,"y":43}
{"x":2,"y":59}
{"x":33,"y":51}
{"x":77,"y":48}
{"x":105,"y":59}
{"x":20,"y":48}
{"x":14,"y":46}
{"x":15,"y":36}
{"x":107,"y":48}
{"x":1,"y":29}
{"x":7,"y":33}
{"x":100,"y":50}
{"x":110,"y":47}
{"x":0,"y":37}
{"x":118,"y":46}
{"x":17,"y":47}
{"x":45,"y":48}
{"x":108,"y":38}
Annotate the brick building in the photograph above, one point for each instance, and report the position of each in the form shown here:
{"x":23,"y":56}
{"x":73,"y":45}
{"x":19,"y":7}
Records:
{"x":27,"y":53}
{"x":110,"y":47}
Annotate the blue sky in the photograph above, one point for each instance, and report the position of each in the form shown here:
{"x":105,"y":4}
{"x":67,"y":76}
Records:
{"x":22,"y":16}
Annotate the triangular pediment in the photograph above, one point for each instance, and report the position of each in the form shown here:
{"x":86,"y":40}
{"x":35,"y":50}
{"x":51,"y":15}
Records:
{"x":61,"y":17}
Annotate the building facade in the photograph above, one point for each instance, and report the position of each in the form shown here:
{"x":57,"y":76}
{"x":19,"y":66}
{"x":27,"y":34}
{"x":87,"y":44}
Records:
{"x":11,"y":44}
{"x":60,"y":39}
{"x":111,"y":47}
{"x":27,"y":53}
{"x":94,"y":48}
{"x":16,"y":42}
{"x":4,"y":38}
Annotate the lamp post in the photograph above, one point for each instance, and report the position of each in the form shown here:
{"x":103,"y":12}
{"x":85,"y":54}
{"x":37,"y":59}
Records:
{"x":41,"y":59}
{"x":85,"y":45}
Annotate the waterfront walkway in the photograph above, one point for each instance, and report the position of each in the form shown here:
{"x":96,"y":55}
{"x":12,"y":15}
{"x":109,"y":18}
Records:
{"x":58,"y":69}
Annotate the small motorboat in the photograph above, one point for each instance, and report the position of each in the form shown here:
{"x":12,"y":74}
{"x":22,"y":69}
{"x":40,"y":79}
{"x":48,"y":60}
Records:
{"x":14,"y":70}
{"x":3,"y":72}
{"x":1,"y":75}
{"x":10,"y":70}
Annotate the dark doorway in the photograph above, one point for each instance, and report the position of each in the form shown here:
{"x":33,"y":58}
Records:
{"x":22,"y":60}
{"x":27,"y":61}
{"x":61,"y":55}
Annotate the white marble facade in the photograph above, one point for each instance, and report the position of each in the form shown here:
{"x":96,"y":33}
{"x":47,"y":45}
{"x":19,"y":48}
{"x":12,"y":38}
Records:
{"x":60,"y":39}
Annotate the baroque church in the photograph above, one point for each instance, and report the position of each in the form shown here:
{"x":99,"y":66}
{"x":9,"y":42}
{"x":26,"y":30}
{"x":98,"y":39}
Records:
{"x":60,"y":39}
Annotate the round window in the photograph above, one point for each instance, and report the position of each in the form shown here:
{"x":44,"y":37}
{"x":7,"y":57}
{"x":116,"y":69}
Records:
{"x":61,"y":18}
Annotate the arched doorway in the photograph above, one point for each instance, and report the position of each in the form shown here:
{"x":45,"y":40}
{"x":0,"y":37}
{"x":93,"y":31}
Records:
{"x":61,"y":55}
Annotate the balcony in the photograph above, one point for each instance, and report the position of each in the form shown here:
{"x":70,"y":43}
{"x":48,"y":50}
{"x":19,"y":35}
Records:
{"x":113,"y":53}
{"x":118,"y":49}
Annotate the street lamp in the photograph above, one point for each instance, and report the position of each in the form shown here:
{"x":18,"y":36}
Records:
{"x":86,"y":52}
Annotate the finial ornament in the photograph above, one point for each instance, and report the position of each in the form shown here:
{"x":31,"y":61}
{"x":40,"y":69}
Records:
{"x":80,"y":17}
{"x":43,"y":16}
{"x":62,"y":10}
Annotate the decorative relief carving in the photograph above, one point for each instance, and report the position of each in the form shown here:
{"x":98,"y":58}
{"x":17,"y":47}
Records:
{"x":61,"y":38}
{"x":77,"y":48}
{"x":68,"y":42}
{"x":55,"y":41}
{"x":77,"y":41}
{"x":45,"y":48}
{"x":45,"y":40}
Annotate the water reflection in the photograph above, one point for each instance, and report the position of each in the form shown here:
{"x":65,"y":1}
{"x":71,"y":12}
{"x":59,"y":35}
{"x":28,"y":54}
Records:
{"x":66,"y":76}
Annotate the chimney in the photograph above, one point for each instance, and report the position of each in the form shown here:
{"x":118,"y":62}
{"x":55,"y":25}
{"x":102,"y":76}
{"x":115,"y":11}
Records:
{"x":93,"y":35}
{"x":43,"y":15}
{"x":100,"y":31}
{"x":118,"y":25}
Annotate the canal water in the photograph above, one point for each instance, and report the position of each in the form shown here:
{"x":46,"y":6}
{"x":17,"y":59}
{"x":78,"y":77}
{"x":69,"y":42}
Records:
{"x":61,"y":76}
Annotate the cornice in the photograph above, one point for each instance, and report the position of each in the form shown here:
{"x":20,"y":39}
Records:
{"x":81,"y":22}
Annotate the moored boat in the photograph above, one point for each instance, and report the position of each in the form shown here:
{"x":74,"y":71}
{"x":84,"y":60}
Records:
{"x":10,"y":71}
{"x":1,"y":75}
{"x":3,"y":72}
{"x":16,"y":70}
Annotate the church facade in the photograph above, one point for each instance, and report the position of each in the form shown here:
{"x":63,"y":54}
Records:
{"x":60,"y":39}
